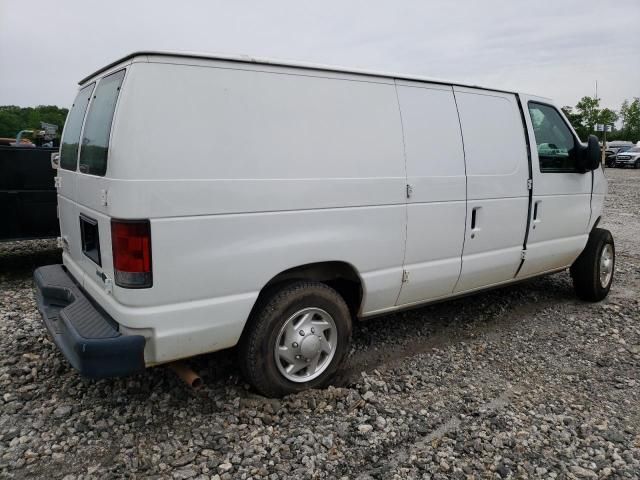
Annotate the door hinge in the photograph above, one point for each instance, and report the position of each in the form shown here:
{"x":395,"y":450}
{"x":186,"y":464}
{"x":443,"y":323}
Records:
{"x":108,"y":283}
{"x":57,"y":181}
{"x":523,"y":255}
{"x":409,"y":191}
{"x":62,"y":242}
{"x":104,"y":197}
{"x":405,"y":276}
{"x":530,"y":184}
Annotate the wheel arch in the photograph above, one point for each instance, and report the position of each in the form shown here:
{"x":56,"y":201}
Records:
{"x":339,"y":275}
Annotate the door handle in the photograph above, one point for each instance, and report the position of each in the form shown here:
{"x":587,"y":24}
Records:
{"x":475,"y":214}
{"x":536,"y":213}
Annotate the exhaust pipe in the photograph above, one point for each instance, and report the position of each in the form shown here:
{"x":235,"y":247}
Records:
{"x":186,"y":374}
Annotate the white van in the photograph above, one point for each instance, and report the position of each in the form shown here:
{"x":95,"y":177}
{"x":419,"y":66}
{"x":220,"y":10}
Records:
{"x":207,"y":202}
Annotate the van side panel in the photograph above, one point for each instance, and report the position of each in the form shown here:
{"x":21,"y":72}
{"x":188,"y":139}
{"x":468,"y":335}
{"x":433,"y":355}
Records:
{"x":242,"y":124}
{"x":436,"y":173}
{"x":244,"y":174}
{"x":497,"y":193}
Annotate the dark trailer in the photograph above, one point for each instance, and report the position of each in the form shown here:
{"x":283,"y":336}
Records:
{"x":27,"y":193}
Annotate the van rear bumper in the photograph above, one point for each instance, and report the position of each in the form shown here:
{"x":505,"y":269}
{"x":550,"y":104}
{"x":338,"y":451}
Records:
{"x":87,"y":336}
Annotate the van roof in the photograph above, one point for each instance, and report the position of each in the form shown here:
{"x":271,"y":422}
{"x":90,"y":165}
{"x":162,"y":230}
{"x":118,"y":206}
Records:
{"x":284,"y":63}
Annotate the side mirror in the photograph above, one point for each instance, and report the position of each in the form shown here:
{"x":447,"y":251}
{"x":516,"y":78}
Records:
{"x":589,"y":155}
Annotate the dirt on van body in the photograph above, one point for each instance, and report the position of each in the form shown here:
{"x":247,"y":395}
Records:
{"x":523,"y":382}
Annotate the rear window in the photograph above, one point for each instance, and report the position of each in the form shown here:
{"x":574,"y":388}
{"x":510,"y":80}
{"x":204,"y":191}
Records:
{"x":71,"y":135}
{"x":97,"y":128}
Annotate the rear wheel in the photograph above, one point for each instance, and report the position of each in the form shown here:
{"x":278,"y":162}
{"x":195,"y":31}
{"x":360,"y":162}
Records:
{"x":296,"y":339}
{"x":592,"y":272}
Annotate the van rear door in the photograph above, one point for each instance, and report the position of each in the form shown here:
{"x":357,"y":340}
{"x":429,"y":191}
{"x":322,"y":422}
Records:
{"x":67,"y":176}
{"x":85,"y":221}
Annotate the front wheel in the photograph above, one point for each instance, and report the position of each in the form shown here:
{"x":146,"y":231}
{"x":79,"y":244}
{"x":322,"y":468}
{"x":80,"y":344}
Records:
{"x":637,"y":164}
{"x":592,"y":272}
{"x":296,"y":338}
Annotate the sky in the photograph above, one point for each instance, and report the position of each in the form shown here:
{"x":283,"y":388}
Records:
{"x":552,"y":48}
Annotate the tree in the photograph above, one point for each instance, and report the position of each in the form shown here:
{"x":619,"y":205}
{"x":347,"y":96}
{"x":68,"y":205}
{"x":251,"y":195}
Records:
{"x":575,"y":119}
{"x":589,"y":113}
{"x":607,"y":116}
{"x":623,"y":110}
{"x":630,"y":115}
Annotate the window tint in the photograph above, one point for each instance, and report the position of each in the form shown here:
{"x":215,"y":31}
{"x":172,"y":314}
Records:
{"x":95,"y":139}
{"x":555,"y":142}
{"x":71,"y":135}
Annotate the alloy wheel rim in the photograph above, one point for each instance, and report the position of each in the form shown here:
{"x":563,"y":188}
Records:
{"x":606,"y":265}
{"x":306,"y":344}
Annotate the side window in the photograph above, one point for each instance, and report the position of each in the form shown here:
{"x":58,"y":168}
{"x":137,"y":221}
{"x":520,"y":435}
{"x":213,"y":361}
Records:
{"x":555,"y":142}
{"x":97,"y":129}
{"x":71,"y":135}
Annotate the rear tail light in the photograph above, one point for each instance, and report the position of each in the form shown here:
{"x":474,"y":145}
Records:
{"x":131,"y":241}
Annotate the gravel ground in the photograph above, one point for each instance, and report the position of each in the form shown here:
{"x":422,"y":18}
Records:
{"x":523,"y":382}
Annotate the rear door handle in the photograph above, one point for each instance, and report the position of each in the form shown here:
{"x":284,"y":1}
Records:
{"x":536,"y":213}
{"x":475,"y":221}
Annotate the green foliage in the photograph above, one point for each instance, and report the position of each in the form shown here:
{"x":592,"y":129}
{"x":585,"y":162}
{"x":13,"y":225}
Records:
{"x":13,"y":118}
{"x":587,"y":113}
{"x":607,"y":116}
{"x":575,"y":119}
{"x":630,"y":116}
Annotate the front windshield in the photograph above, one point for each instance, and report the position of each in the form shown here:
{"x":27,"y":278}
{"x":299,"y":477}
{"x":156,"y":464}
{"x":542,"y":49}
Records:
{"x":634,"y":149}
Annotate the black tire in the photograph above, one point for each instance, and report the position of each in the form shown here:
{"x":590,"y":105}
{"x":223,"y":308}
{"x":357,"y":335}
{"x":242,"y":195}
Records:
{"x":637,"y":165}
{"x":585,"y":271}
{"x":256,"y":349}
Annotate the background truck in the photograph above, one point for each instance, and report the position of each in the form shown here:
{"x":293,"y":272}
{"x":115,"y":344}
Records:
{"x":27,"y":193}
